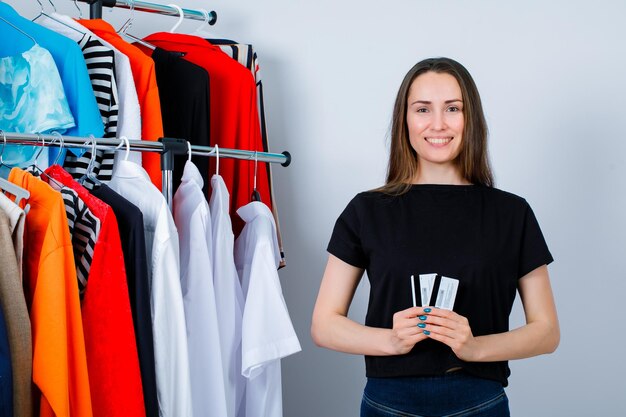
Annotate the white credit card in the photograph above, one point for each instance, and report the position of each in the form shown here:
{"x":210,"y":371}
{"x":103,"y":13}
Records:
{"x":427,"y":283}
{"x":447,"y":293}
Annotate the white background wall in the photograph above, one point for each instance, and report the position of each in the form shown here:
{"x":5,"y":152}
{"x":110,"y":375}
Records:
{"x":553,"y":81}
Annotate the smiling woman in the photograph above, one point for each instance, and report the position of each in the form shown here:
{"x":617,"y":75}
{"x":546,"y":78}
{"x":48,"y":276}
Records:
{"x":438,"y":114}
{"x":438,"y":221}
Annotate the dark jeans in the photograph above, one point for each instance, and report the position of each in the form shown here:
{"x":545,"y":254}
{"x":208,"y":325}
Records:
{"x":457,"y":394}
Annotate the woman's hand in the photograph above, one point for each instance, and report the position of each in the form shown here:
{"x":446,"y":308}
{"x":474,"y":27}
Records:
{"x":405,"y":332}
{"x":453,"y":330}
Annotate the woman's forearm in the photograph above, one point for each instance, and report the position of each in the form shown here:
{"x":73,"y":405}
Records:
{"x":530,"y":340}
{"x":340,"y":333}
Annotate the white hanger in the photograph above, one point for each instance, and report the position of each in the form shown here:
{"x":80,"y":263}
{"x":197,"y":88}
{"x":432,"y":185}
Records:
{"x":181,"y":16}
{"x":19,"y":193}
{"x":89,"y":174}
{"x":188,"y":151}
{"x":126,"y":143}
{"x":60,"y":138}
{"x":217,"y":161}
{"x":204,"y":23}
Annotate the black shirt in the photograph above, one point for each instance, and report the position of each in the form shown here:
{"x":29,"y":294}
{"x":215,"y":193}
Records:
{"x":185,"y":103}
{"x":130,"y":226}
{"x":484,"y":237}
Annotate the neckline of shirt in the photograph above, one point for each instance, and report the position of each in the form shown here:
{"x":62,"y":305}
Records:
{"x":443,"y":186}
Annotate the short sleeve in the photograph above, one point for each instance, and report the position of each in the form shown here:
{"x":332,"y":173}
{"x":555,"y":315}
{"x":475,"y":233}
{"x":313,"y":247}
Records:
{"x":345,"y":242}
{"x":534,"y":251}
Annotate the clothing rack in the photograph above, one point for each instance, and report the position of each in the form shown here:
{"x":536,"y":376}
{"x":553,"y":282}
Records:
{"x":95,"y":9}
{"x":167,"y":147}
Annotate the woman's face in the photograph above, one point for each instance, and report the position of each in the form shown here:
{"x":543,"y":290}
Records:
{"x":435,"y":118}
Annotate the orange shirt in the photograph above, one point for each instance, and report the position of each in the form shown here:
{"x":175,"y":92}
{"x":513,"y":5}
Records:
{"x":144,"y":76}
{"x":51,"y":290}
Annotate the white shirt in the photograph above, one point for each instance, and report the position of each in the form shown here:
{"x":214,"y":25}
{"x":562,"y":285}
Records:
{"x":267,"y":332}
{"x":228,"y":296}
{"x":193,"y":220}
{"x":16,"y":224}
{"x":129,"y":118}
{"x":171,"y":357}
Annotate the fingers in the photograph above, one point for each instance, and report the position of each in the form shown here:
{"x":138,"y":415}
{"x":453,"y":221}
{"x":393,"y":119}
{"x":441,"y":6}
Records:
{"x":406,"y":332}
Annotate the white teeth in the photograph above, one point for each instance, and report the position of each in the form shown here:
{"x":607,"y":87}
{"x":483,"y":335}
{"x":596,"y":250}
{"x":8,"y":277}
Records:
{"x":438,"y":141}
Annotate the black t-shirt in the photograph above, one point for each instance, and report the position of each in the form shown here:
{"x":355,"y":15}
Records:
{"x":484,"y":237}
{"x":185,"y":103}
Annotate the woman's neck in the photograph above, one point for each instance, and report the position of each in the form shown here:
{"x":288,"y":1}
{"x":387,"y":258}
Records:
{"x":439,"y":174}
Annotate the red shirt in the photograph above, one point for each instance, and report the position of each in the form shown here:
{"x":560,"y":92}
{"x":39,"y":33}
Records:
{"x":234,"y":121}
{"x":112,"y":358}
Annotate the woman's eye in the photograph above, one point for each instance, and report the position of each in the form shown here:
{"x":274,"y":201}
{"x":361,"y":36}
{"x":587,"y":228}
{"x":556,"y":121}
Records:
{"x":453,"y":109}
{"x":422,"y":110}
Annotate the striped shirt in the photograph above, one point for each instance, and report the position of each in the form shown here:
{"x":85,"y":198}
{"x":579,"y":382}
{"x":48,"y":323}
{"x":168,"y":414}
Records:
{"x":84,"y":230}
{"x":100,"y":62}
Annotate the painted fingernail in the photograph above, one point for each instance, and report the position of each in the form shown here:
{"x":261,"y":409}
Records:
{"x":421,"y":325}
{"x":426,"y":332}
{"x":427,"y":310}
{"x":422,"y":317}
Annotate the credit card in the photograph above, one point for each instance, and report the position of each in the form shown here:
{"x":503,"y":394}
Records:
{"x":446,"y":293}
{"x":427,"y":283}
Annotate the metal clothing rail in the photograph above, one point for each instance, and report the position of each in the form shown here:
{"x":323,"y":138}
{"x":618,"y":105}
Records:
{"x":95,"y":9}
{"x":167,"y":147}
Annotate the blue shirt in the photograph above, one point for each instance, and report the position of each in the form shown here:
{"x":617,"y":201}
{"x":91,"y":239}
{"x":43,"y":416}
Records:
{"x":69,"y":61}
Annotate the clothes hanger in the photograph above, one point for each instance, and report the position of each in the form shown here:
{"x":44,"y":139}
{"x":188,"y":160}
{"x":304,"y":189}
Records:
{"x":51,"y":17}
{"x":80,"y":11}
{"x":7,"y":186}
{"x":205,"y":23}
{"x":18,"y":29}
{"x":36,"y":169}
{"x":181,"y":16}
{"x":42,"y":11}
{"x":126,"y":143}
{"x":123,"y":30}
{"x":89,"y":175}
{"x":189,"y":151}
{"x":217,"y":160}
{"x":256,"y":196}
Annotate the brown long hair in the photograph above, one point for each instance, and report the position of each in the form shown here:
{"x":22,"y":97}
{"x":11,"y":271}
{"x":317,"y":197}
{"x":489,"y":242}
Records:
{"x":473,"y":160}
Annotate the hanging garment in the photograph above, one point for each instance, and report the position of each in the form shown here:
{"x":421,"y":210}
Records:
{"x":69,"y":62}
{"x":129,"y":116}
{"x":234,"y":114}
{"x":32,"y":98}
{"x":267,"y":331}
{"x":184,"y":95}
{"x":246,"y":56}
{"x":16,"y":223}
{"x":131,"y":228}
{"x":147,"y":92}
{"x":6,"y":374}
{"x":100,"y":65}
{"x":193,"y":221}
{"x":228,"y":296}
{"x":59,"y":360}
{"x":13,"y":305}
{"x":100,"y":61}
{"x":84,"y":230}
{"x":112,"y":358}
{"x":168,"y":315}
